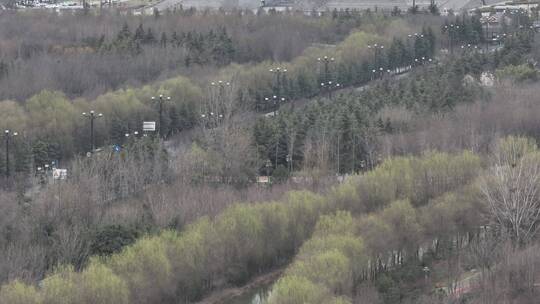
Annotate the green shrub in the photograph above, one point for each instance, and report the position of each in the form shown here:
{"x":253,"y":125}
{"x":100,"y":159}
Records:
{"x":329,"y":268}
{"x":280,"y":174}
{"x":517,"y":73}
{"x":61,"y":287}
{"x":19,"y":293}
{"x":298,"y":290}
{"x":146,"y":269}
{"x":100,"y":285}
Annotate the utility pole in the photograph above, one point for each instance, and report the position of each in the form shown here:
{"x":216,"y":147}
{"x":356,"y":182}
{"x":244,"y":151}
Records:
{"x":92,"y":116}
{"x":7,"y":136}
{"x":160,"y":100}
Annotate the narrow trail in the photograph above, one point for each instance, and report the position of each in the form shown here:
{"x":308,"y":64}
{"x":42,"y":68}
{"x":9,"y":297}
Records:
{"x":223,"y":295}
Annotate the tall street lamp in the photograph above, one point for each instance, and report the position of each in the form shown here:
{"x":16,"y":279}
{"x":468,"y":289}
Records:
{"x":485,"y":21}
{"x":221,"y":84}
{"x":326,"y":60}
{"x":91,"y":117}
{"x":280,"y":74}
{"x":7,"y":136}
{"x":451,"y":31}
{"x":376,"y":49}
{"x":289,"y":160}
{"x":220,"y":97}
{"x":329,"y":86}
{"x":275,"y":100}
{"x":134,"y":135}
{"x":161,"y":100}
{"x":268,"y":165}
{"x":211,"y":120}
{"x":422,"y":61}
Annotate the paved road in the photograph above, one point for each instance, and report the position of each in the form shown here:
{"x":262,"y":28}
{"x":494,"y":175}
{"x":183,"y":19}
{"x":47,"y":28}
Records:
{"x":339,"y":4}
{"x":201,"y":4}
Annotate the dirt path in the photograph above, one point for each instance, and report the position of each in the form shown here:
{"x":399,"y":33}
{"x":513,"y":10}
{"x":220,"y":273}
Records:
{"x":227,"y":294}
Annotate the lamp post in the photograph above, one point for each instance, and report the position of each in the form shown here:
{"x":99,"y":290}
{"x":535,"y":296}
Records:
{"x":218,"y":91}
{"x":410,"y":48}
{"x":134,"y":135}
{"x":376,"y":49}
{"x":418,"y":51}
{"x":288,"y":159}
{"x":326,"y":60}
{"x":41,"y":174}
{"x":450,"y":30}
{"x":275,"y":100}
{"x":7,"y":138}
{"x":426,"y":271}
{"x":422,"y":61}
{"x":221,"y":85}
{"x":211,"y":119}
{"x":280,"y":73}
{"x":468,"y":48}
{"x":485,"y":21}
{"x":517,"y":17}
{"x":329,"y":86}
{"x":161,"y":100}
{"x":267,"y":165}
{"x":91,"y":117}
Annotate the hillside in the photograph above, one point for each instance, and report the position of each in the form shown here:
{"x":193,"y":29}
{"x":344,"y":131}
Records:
{"x":195,"y":156}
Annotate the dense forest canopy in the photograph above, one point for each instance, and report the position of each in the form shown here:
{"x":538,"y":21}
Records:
{"x":84,"y":55}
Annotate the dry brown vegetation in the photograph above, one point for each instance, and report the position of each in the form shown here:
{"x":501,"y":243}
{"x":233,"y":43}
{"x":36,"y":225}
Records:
{"x":510,"y":110}
{"x":84,"y":55}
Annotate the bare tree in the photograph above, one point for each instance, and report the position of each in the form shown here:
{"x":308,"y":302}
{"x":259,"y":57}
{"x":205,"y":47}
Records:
{"x":511,"y":188}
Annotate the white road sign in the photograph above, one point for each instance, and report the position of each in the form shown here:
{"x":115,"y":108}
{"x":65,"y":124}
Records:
{"x":149,"y":126}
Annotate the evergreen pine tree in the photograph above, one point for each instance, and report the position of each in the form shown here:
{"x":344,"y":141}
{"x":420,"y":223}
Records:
{"x":175,"y":41}
{"x":149,"y":37}
{"x":22,"y":157}
{"x":124,"y":33}
{"x":163,"y":40}
{"x":139,"y":34}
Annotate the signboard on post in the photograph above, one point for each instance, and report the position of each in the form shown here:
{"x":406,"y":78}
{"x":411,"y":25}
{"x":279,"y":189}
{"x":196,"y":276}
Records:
{"x":149,"y":126}
{"x":59,"y":174}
